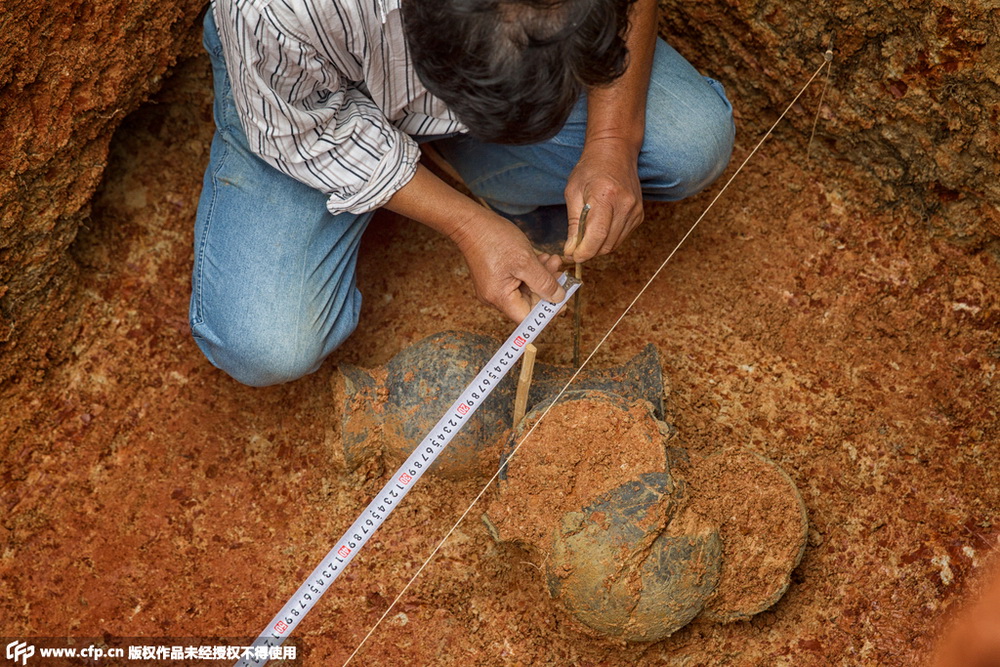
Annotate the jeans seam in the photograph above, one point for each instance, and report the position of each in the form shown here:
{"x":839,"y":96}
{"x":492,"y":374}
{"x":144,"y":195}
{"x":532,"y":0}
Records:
{"x":506,"y":170}
{"x":228,"y":107}
{"x":203,"y":241}
{"x":302,"y":295}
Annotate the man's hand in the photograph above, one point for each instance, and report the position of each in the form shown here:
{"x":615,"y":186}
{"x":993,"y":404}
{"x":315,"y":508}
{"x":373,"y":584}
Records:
{"x":607,"y":178}
{"x":505,"y":270}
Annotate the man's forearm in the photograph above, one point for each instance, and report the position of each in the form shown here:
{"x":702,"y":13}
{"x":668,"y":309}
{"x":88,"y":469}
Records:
{"x":429,"y":200}
{"x":606,"y":177}
{"x":618,"y":111}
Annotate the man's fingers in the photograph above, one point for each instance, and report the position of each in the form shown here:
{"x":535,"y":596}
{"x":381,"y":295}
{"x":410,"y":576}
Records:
{"x":552,"y":263}
{"x":532,"y":281}
{"x":512,"y":299}
{"x":516,"y":305}
{"x":570,"y":245}
{"x":616,"y":234}
{"x":574,"y":207}
{"x":595,"y":235}
{"x":634,"y":220}
{"x":539,"y":279}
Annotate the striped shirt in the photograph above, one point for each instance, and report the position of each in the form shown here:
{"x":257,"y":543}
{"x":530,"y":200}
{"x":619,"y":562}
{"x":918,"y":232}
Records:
{"x":327,"y":94}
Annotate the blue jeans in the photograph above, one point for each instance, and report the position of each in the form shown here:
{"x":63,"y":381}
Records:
{"x":273,"y":286}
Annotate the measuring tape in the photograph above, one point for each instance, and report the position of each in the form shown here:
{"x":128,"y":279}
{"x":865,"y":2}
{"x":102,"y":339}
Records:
{"x":402,"y":481}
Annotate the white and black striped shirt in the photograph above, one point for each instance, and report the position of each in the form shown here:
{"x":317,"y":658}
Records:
{"x":326,"y":93}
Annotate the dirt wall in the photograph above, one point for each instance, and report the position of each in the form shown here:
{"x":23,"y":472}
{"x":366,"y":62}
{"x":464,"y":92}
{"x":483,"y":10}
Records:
{"x":914,"y":100}
{"x":914,"y":96}
{"x":70,"y":71}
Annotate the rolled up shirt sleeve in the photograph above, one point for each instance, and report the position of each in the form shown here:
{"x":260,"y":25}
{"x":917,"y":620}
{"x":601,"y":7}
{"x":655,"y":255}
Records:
{"x":305,"y":117}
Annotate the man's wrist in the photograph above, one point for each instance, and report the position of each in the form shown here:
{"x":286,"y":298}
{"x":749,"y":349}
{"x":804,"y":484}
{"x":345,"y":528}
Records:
{"x":610,"y":141}
{"x":462,"y":233}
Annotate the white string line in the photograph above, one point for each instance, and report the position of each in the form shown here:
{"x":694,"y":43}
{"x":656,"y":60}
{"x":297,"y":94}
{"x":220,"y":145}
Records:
{"x":819,"y":105}
{"x":582,"y":366}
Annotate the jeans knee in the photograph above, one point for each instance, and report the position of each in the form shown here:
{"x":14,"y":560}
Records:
{"x":708,"y":159}
{"x":687,"y":154}
{"x":264,"y":357}
{"x":265,"y":367}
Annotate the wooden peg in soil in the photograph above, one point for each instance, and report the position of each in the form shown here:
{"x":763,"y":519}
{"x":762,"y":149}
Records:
{"x":524,"y":383}
{"x":581,"y":229}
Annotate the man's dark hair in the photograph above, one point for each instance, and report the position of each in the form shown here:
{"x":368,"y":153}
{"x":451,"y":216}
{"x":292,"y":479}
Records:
{"x":511,"y":70}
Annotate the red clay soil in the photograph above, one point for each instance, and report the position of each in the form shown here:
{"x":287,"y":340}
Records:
{"x":762,"y":523}
{"x":147,"y":494}
{"x":592,"y":445}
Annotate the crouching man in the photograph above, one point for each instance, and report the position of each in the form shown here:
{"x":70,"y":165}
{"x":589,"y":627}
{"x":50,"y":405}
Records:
{"x":321,"y":107}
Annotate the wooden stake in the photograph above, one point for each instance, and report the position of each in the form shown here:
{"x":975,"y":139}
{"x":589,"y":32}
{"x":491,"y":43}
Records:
{"x":577,"y":316}
{"x":524,"y":383}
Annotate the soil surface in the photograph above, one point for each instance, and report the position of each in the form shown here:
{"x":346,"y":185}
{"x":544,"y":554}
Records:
{"x":763,"y":525}
{"x":147,"y":494}
{"x":589,"y":444}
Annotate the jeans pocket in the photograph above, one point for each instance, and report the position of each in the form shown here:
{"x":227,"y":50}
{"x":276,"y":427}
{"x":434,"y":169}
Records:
{"x":720,"y":89}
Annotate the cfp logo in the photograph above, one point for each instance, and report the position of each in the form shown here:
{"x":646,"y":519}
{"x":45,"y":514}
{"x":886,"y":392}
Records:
{"x":22,"y":650}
